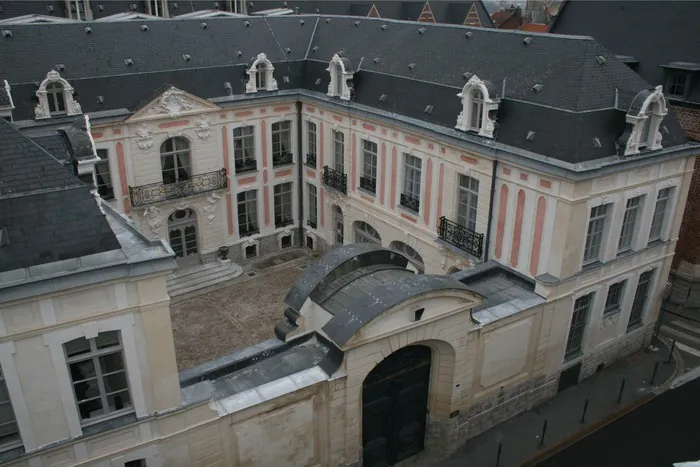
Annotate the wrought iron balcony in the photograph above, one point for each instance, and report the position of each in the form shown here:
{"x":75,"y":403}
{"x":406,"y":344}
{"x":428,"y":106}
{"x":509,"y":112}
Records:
{"x":461,"y":237}
{"x":311,"y":224}
{"x":245,"y":165}
{"x":369,"y":184}
{"x":335,"y":179}
{"x":283,"y":221}
{"x":311,"y":160}
{"x":155,"y":192}
{"x":282,"y":158}
{"x":410,"y":202}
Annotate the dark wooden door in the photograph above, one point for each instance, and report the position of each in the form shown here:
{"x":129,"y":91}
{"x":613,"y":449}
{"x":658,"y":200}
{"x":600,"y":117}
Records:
{"x":394,"y":407}
{"x":569,"y":377}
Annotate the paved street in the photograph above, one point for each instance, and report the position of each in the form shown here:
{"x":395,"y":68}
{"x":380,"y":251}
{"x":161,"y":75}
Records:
{"x":684,"y":328}
{"x":657,"y":434}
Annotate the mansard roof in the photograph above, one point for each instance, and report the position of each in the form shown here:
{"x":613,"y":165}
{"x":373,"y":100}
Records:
{"x":584,"y":90}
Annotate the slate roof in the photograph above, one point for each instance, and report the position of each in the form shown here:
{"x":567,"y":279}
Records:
{"x":575,"y":87}
{"x":654,"y":32}
{"x":48,"y":213}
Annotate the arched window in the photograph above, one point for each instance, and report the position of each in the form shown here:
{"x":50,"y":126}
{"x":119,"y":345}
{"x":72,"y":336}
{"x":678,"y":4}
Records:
{"x":54,"y":94}
{"x":644,"y":118}
{"x":410,"y":253}
{"x":261,"y":75}
{"x":477,"y":110}
{"x":646,"y":124}
{"x":365,"y":233}
{"x":175,"y":160}
{"x":479,"y":102}
{"x":340,"y":72}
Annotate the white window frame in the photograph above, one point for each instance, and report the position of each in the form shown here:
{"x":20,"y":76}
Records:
{"x":340,"y":75}
{"x":43,"y":108}
{"x":605,"y":218}
{"x":486,"y":104}
{"x":617,"y":289}
{"x":312,"y":138}
{"x":312,"y":199}
{"x":338,"y":150}
{"x":279,"y":133}
{"x":266,"y":67}
{"x":468,"y":218}
{"x":370,"y":162}
{"x":17,"y":442}
{"x":569,"y":354}
{"x":409,"y":170}
{"x":246,"y":136}
{"x":631,"y":219}
{"x":175,"y":154}
{"x":251,"y":219}
{"x":646,"y":123}
{"x":16,"y":392}
{"x":104,"y":162}
{"x":282,"y":203}
{"x":664,"y":215}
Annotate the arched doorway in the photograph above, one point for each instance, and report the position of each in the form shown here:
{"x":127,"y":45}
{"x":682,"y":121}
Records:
{"x":394,"y":407}
{"x":339,"y":226}
{"x":182,"y":236}
{"x":411,"y":254}
{"x":365,"y":233}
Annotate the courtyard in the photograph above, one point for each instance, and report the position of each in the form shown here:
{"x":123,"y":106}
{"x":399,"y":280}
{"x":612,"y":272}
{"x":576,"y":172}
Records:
{"x":240,"y":313}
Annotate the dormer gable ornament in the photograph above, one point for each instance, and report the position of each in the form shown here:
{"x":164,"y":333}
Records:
{"x":43,"y":108}
{"x":480,"y":103}
{"x":644,"y":118}
{"x":261,"y":75}
{"x":341,"y":74}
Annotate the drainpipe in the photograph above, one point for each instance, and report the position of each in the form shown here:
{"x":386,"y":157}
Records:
{"x":488,"y":225}
{"x":300,"y":166}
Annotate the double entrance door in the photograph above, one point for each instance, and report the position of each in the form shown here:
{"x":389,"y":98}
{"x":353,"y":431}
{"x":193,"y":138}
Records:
{"x":182,"y":236}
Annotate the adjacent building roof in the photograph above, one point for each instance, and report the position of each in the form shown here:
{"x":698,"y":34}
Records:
{"x":47,"y":213}
{"x":567,"y":90}
{"x":655,"y":33}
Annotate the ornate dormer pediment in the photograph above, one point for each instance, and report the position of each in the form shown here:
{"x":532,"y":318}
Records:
{"x":172,"y":103}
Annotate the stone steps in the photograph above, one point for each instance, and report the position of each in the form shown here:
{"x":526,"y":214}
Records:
{"x":187,"y":280}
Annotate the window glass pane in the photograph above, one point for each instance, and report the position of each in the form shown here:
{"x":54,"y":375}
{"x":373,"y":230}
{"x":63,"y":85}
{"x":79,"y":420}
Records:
{"x":107,"y":339}
{"x":112,"y":362}
{"x":4,"y":397}
{"x":87,"y":390}
{"x":82,"y":370}
{"x":6,"y":413}
{"x":90,"y":409}
{"x":9,"y":433}
{"x":115,"y":382}
{"x":119,"y":401}
{"x":77,"y":347}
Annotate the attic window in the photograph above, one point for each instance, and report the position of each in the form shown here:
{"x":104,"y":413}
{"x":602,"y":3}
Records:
{"x":100,"y":7}
{"x":49,"y":8}
{"x":144,"y":27}
{"x":260,"y":75}
{"x":88,"y":30}
{"x":530,"y":136}
{"x":288,"y":50}
{"x":597,"y":143}
{"x":428,"y":109}
{"x":468,"y":34}
{"x":186,"y":57}
{"x":478,"y":107}
{"x":7,"y":33}
{"x":239,"y":53}
{"x":527,"y":40}
{"x":133,"y":7}
{"x":422,"y":30}
{"x":128,"y":62}
{"x":100,"y":99}
{"x":4,"y":237}
{"x":247,"y":23}
{"x":376,"y":60}
{"x":411,"y":65}
{"x":301,"y":21}
{"x":357,"y":24}
{"x":318,"y":81}
{"x":601,"y":60}
{"x":314,"y":48}
{"x":418,"y":314}
{"x":203,"y":25}
{"x":384,"y":26}
{"x":286,"y":79}
{"x":60,"y":67}
{"x":228,"y":87}
{"x":382,"y":98}
{"x":55,"y":97}
{"x":340,"y":74}
{"x":328,"y":20}
{"x":537,"y":87}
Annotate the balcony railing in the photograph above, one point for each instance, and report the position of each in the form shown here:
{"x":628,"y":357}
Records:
{"x":155,"y":192}
{"x":283,"y":221}
{"x":410,"y":202}
{"x":335,"y":179}
{"x":369,"y":184}
{"x":461,"y":237}
{"x":282,"y":158}
{"x":311,"y":160}
{"x":245,"y":165}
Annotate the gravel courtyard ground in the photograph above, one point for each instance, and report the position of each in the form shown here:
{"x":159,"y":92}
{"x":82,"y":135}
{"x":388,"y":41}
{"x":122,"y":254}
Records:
{"x":235,"y":316}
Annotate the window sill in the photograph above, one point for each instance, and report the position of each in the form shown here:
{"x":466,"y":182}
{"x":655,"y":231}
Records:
{"x":311,"y":166}
{"x":284,"y":164}
{"x":108,"y":423}
{"x":570,"y":359}
{"x":249,"y":233}
{"x":408,"y":210}
{"x":591,"y":265}
{"x":633,"y":327}
{"x":655,"y":243}
{"x":11,"y":452}
{"x":367,"y":192}
{"x":624,"y":253}
{"x":246,"y":171}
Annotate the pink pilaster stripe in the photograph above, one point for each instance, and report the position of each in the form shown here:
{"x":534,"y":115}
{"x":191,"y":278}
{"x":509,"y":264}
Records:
{"x":227,"y":166}
{"x":428,"y":191}
{"x":382,"y":167}
{"x":501,"y":226}
{"x":121,"y":163}
{"x":440,"y":185}
{"x":393,"y":177}
{"x":517,"y":229}
{"x":537,"y":238}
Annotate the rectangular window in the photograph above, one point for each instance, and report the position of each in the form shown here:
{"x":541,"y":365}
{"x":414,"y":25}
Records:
{"x":640,"y":299}
{"x":368,"y":181}
{"x":629,"y":223}
{"x":313,"y":206}
{"x":594,"y":237}
{"x":338,"y":151}
{"x":677,"y":83}
{"x":9,"y":433}
{"x":136,"y":463}
{"x":311,"y":127}
{"x":175,"y":160}
{"x":574,"y":342}
{"x":467,"y":202}
{"x":103,"y":176}
{"x":411,"y":182}
{"x":282,"y":143}
{"x":248,"y":213}
{"x":283,"y":205}
{"x":244,"y":149}
{"x":98,"y":374}
{"x":614,"y":299}
{"x":657,"y":222}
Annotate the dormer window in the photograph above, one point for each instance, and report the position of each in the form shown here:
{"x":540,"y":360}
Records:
{"x":260,"y":75}
{"x":644,"y":119}
{"x":55,"y":98}
{"x":479,"y":105}
{"x":341,"y":73}
{"x":676,"y":84}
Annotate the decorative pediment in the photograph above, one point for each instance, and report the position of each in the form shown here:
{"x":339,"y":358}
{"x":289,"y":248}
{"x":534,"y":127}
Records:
{"x":172,"y":103}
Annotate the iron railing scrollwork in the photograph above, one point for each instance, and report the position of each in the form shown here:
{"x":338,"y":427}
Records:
{"x":369,"y":184}
{"x":336,"y":180}
{"x":245,"y":165}
{"x":155,"y":192}
{"x":461,"y":237}
{"x":283,"y":158}
{"x":311,"y":160}
{"x":410,"y":202}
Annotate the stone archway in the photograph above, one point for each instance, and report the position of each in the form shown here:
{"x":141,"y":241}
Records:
{"x":365,"y":233}
{"x":395,"y":406}
{"x":182,"y":236}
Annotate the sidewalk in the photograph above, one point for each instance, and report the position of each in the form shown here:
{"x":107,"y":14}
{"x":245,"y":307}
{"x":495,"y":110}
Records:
{"x":520,"y":436}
